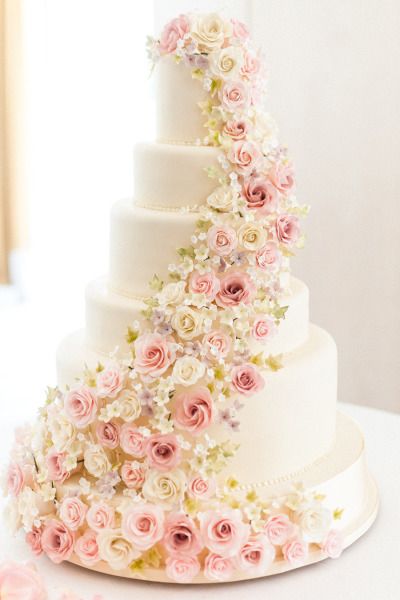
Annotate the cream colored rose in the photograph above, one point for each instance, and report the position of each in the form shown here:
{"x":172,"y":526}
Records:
{"x":210,"y":31}
{"x":252,"y":236}
{"x":166,"y":489}
{"x":129,"y":406}
{"x":96,"y":461}
{"x":314,"y":522}
{"x":188,"y":370}
{"x":115,"y":550}
{"x":172,"y":293}
{"x":61,"y":429}
{"x":222,"y":198}
{"x":187,"y":323}
{"x":226,"y":63}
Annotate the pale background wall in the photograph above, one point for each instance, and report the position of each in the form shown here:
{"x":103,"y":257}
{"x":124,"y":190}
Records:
{"x":334,"y":89}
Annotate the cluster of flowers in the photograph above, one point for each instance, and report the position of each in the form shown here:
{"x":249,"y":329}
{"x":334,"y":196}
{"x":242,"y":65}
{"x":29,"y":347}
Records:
{"x":122,"y":467}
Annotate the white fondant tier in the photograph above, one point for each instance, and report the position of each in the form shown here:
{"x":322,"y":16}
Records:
{"x":284,"y":428}
{"x":178,"y":118}
{"x":169,"y":177}
{"x":109,"y":314}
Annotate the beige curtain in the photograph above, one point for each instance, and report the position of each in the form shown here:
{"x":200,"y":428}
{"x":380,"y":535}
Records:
{"x":12,"y":129}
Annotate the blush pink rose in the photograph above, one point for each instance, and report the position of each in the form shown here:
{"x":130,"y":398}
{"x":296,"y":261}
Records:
{"x":223,"y":532}
{"x":110,"y":382}
{"x":295,"y":551}
{"x":57,"y":541}
{"x":247,"y":380}
{"x":222,"y":239}
{"x":333,"y":544}
{"x":282,"y":177}
{"x":239,"y":30}
{"x":174,"y":31}
{"x":87,"y":549}
{"x":236,"y":288}
{"x":218,"y":568}
{"x":132,"y":440}
{"x":55,"y":466}
{"x":73,"y":512}
{"x":154,"y":354}
{"x":260,"y":194}
{"x":251,"y":65}
{"x":34,"y":539}
{"x":81,"y":406}
{"x":257,"y":554}
{"x":279,"y":529}
{"x":201,"y":489}
{"x":287,"y":229}
{"x":245,"y":155}
{"x":163,"y":451}
{"x":21,"y":582}
{"x":15,"y":479}
{"x":181,"y":536}
{"x":100,"y":516}
{"x":217,"y":344}
{"x":182,"y":569}
{"x":234,"y":96}
{"x":236,"y":130}
{"x":133,"y":474}
{"x":268,"y":256}
{"x":263,"y":328}
{"x":143,"y":525}
{"x":108,"y":434}
{"x":204,"y":283}
{"x":194,"y":410}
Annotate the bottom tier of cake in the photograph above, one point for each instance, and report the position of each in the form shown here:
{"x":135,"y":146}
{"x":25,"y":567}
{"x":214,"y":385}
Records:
{"x":341,"y":477}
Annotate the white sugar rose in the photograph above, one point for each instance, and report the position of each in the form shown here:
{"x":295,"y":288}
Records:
{"x":187,"y":323}
{"x":166,"y":489}
{"x":129,"y":406}
{"x":96,"y":461}
{"x":61,"y":429}
{"x":314,"y":522}
{"x":115,"y":550}
{"x":188,"y":370}
{"x":172,"y":293}
{"x":210,"y":31}
{"x":252,"y":236}
{"x":222,"y":198}
{"x":226,"y":63}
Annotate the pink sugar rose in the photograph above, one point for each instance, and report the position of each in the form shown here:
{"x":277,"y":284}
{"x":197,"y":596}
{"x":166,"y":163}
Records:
{"x":263,"y":328}
{"x":132,"y":440}
{"x":34,"y":539}
{"x":15,"y":479}
{"x":110,"y":382}
{"x":222,"y":239}
{"x":260,"y":194}
{"x":194,"y":410}
{"x":55,"y":466}
{"x":143,"y":525}
{"x":268,"y":256}
{"x":247,"y":380}
{"x":87,"y":549}
{"x":163,"y":451}
{"x":100,"y":516}
{"x":282,"y":177}
{"x":287,"y":229}
{"x":73,"y":512}
{"x":181,"y":537}
{"x":217,"y":344}
{"x":108,"y":434}
{"x":236,"y":288}
{"x":57,"y":541}
{"x":333,"y":544}
{"x":251,"y":65}
{"x":257,"y":554}
{"x":133,"y":474}
{"x":174,"y":31}
{"x":223,"y":531}
{"x":200,"y":488}
{"x":204,"y":283}
{"x":279,"y":529}
{"x":182,"y":569}
{"x":245,"y":155}
{"x":154,"y":354}
{"x":234,"y":96}
{"x":239,"y":30}
{"x":295,"y":551}
{"x":218,"y":568}
{"x":81,"y":406}
{"x":21,"y":582}
{"x":237,"y":130}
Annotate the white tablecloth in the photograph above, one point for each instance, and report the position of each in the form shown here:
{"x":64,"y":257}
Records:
{"x":368,"y":570}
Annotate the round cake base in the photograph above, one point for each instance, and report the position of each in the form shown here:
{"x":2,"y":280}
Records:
{"x":342,"y":476}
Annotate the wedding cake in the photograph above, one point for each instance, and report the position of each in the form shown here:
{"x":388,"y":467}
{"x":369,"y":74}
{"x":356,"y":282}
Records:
{"x":194,"y":435}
